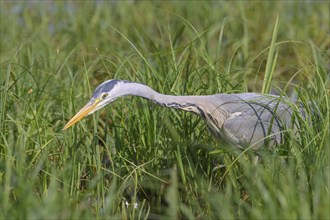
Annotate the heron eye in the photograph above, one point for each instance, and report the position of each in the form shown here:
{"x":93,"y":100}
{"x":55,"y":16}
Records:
{"x":104,"y":95}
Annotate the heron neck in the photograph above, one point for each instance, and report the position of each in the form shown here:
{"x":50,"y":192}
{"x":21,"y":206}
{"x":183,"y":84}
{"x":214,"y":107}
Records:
{"x":207,"y":107}
{"x":171,"y":101}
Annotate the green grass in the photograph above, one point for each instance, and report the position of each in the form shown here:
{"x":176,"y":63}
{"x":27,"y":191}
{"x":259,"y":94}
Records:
{"x":53,"y":54}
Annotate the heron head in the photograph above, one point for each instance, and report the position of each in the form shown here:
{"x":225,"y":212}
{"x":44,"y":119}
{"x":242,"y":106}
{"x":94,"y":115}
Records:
{"x":104,"y":94}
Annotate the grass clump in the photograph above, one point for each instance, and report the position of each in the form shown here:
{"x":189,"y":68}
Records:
{"x":139,"y":160}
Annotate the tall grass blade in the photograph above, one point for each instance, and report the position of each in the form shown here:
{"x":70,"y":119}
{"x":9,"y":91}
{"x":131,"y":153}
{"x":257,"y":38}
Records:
{"x":271,"y":61}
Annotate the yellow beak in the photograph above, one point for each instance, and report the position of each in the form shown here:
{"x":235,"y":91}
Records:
{"x":81,"y":114}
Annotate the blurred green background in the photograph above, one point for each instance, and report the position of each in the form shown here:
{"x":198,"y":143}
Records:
{"x":135,"y":160}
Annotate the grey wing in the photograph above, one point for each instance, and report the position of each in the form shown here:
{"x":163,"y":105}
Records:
{"x":256,"y":123}
{"x":246,"y":130}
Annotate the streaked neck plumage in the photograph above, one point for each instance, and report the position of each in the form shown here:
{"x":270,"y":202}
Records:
{"x":188,"y":103}
{"x":203,"y":106}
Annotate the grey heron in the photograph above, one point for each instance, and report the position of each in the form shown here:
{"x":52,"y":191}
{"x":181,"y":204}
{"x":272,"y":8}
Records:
{"x":242,"y":120}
